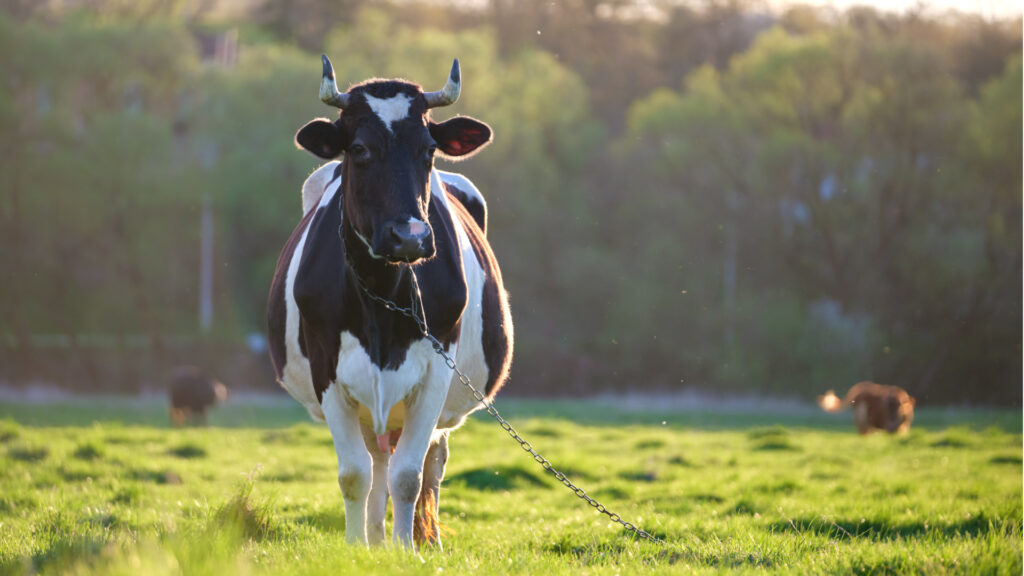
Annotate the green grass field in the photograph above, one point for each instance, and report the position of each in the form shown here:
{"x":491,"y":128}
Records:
{"x":105,"y":487}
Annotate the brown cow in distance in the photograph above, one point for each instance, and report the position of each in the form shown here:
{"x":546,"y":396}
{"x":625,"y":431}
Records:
{"x":887,"y":408}
{"x":192,"y":392}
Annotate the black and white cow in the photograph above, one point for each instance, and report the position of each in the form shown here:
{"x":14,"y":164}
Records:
{"x":386,"y":216}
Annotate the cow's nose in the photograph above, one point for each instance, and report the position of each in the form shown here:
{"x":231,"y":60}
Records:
{"x":410,"y":240}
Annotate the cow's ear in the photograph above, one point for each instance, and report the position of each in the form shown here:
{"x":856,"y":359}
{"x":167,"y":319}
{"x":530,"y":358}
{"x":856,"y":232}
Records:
{"x":321,"y":137}
{"x":460,"y":137}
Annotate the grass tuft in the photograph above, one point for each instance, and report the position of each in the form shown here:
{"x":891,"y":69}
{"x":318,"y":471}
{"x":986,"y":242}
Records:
{"x":89,"y":451}
{"x":130,"y":494}
{"x":745,"y":507}
{"x":650,"y":444}
{"x":680,"y":460}
{"x":773,"y":444}
{"x":25,"y":452}
{"x":9,"y":430}
{"x":955,"y":438}
{"x":156,"y":476}
{"x":244,"y":515}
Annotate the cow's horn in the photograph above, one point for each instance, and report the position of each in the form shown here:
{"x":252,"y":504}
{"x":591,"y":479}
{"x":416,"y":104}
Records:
{"x":329,"y":89}
{"x":450,"y":93}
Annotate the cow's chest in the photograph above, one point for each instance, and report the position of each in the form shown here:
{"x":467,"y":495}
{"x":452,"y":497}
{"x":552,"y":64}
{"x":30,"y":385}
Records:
{"x":377,"y":390}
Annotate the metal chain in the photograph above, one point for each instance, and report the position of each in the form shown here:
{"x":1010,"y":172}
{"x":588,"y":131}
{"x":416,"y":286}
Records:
{"x":412,"y":313}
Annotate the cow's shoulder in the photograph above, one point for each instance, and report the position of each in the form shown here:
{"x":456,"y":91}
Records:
{"x":467,"y":194}
{"x":314,"y":186}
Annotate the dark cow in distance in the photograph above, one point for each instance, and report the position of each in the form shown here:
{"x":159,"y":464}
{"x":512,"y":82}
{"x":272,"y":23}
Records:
{"x":383,"y":223}
{"x":192,"y":392}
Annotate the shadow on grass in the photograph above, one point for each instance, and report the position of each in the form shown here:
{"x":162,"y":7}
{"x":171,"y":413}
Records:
{"x":329,"y":520}
{"x":497,"y":478}
{"x":645,"y":476}
{"x":625,"y":545}
{"x":776,"y":445}
{"x":875,"y":529}
{"x":56,"y":557}
{"x":188,"y":451}
{"x":28,"y":452}
{"x":155,"y":476}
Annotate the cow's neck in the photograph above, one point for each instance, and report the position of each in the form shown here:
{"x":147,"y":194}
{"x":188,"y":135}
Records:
{"x":381,"y":328}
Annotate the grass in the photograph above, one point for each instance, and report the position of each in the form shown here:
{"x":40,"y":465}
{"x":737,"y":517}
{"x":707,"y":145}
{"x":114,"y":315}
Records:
{"x":105,"y":487}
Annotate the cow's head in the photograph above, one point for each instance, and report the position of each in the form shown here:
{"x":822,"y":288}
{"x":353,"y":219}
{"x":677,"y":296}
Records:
{"x":389,"y":142}
{"x":899,"y":412}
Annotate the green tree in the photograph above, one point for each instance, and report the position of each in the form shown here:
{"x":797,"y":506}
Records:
{"x":837,"y":157}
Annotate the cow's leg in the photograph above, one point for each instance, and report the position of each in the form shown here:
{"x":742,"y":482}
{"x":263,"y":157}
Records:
{"x":376,"y":507}
{"x":427,"y":527}
{"x":862,"y":418}
{"x":423,"y":408}
{"x":354,"y":466}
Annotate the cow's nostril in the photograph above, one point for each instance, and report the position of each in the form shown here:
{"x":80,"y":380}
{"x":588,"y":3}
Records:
{"x":397,"y":236}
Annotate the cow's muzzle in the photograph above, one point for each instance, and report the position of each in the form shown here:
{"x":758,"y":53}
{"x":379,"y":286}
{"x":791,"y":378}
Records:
{"x":409,"y":241}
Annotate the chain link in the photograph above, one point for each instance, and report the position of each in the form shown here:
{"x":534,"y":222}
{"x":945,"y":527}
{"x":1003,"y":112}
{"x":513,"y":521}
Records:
{"x":412,"y":311}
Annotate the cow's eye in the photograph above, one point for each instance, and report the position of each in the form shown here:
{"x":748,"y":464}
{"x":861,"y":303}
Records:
{"x":429,"y":158}
{"x":359,"y":153}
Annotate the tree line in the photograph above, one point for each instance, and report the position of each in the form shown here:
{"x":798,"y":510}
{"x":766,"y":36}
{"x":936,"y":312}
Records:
{"x":715,"y":197}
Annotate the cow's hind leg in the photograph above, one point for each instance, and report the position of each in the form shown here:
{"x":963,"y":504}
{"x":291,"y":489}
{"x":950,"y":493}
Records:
{"x":427,"y":528}
{"x":354,"y":465}
{"x":376,"y":506}
{"x":178,"y":417}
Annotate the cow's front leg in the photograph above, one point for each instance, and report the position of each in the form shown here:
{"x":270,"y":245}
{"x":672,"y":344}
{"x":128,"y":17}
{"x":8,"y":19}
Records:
{"x":354,"y":467}
{"x":376,"y":507}
{"x":423,"y":408}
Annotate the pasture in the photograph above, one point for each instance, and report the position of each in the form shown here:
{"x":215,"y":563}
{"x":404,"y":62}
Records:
{"x":103,"y":486}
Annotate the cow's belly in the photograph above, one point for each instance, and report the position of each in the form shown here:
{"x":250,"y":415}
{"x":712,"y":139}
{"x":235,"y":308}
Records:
{"x":298,"y":382}
{"x":296,"y":377}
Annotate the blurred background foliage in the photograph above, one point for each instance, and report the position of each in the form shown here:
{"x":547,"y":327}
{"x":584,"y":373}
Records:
{"x":704,"y":195}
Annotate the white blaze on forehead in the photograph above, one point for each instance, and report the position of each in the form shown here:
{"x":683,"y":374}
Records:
{"x":390,"y":110}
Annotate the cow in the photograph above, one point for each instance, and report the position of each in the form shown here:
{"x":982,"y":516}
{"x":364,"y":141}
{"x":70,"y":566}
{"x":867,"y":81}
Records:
{"x":887,"y":408}
{"x":192,"y":392}
{"x":380,"y":223}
